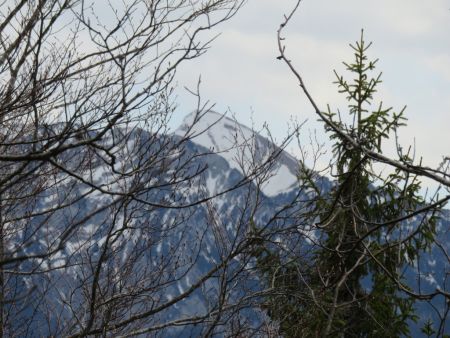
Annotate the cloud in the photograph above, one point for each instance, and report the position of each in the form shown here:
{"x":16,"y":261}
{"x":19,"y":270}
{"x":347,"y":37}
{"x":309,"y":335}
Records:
{"x":410,"y":37}
{"x":440,"y":64}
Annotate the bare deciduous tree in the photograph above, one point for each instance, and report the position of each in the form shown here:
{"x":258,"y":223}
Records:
{"x":97,"y":196}
{"x":107,"y":223}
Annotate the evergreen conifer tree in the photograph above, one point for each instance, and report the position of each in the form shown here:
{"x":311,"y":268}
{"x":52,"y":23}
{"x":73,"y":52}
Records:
{"x":352,"y":287}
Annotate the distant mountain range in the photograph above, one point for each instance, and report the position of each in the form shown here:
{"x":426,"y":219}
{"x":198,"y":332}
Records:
{"x":219,"y":133}
{"x":172,"y":247}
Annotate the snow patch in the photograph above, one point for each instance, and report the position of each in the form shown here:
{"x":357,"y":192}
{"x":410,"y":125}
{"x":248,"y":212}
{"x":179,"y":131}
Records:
{"x":281,"y":181}
{"x":242,"y":148}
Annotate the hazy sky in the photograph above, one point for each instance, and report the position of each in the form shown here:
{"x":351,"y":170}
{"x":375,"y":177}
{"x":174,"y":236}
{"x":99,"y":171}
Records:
{"x":410,"y":37}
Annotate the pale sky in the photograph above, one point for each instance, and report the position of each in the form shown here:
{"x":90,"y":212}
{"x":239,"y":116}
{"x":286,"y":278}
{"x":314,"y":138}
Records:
{"x":410,"y":37}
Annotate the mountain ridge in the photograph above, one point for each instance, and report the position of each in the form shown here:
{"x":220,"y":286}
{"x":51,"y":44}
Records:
{"x":174,"y":247}
{"x":240,"y":145}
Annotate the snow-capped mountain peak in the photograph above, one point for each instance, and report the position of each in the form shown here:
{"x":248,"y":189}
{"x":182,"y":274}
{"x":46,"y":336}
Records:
{"x":242,"y":148}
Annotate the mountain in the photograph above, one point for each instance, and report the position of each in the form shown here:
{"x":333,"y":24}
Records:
{"x":221,"y":134}
{"x":152,"y":227}
{"x":240,"y":147}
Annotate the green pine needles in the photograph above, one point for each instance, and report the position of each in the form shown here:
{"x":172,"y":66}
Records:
{"x":352,"y":285}
{"x":363,"y":240}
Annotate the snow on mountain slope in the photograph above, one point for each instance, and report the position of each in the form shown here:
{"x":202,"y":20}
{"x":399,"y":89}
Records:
{"x":242,"y":148}
{"x":240,"y":145}
{"x":172,"y":247}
